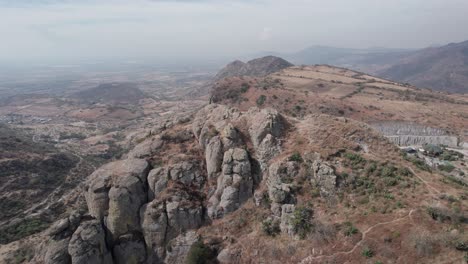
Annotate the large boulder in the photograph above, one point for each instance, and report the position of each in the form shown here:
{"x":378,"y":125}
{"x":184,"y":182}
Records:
{"x":266,"y":126}
{"x":188,"y":173}
{"x":235,"y":184}
{"x":264,"y":122}
{"x":179,"y":248}
{"x":117,"y":190}
{"x":211,"y":120}
{"x":162,"y":221}
{"x":157,"y":182}
{"x":281,"y":175}
{"x":146,"y":148}
{"x":324,"y":177}
{"x":214,"y":156}
{"x":88,"y":244}
{"x":57,"y":252}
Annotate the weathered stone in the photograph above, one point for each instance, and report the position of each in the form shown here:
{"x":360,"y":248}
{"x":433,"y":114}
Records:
{"x":57,"y":252}
{"x":163,"y":221}
{"x":157,"y":182}
{"x":264,"y":122}
{"x":324,"y":178}
{"x":117,"y":190}
{"x":88,"y":244}
{"x":281,"y":175}
{"x":58,"y":227}
{"x":179,"y":248}
{"x":235,"y":185}
{"x":187,"y":173}
{"x":287,"y":215}
{"x":129,"y":250}
{"x":214,"y":156}
{"x":100,"y":182}
{"x":146,"y":149}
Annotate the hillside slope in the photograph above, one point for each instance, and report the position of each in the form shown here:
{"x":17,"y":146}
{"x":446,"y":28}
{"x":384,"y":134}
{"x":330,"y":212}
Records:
{"x":443,"y":68}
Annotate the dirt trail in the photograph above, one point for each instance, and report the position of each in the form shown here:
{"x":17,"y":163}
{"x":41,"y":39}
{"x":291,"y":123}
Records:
{"x":310,"y":259}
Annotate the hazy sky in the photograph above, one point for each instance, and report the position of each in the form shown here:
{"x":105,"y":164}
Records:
{"x":49,"y":29}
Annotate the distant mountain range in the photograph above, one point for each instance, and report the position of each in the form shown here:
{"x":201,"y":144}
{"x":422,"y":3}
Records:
{"x":441,"y":68}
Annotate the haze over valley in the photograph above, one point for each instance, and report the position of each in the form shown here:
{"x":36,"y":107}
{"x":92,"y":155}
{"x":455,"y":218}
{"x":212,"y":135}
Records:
{"x":233,"y":132}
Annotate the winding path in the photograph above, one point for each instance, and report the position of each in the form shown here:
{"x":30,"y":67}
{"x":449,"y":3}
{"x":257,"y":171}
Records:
{"x":364,"y":234}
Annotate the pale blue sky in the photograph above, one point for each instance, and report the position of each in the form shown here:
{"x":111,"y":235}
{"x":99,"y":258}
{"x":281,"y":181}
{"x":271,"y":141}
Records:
{"x":55,"y":29}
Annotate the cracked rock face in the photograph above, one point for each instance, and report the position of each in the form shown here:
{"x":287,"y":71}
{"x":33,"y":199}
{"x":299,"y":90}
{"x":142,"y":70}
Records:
{"x":88,"y":244}
{"x":210,"y":120}
{"x":235,"y":184}
{"x":287,"y":216}
{"x":122,"y":181}
{"x":264,"y":122}
{"x":180,"y":247}
{"x":281,"y":175}
{"x":266,"y":126}
{"x":325,"y":178}
{"x":164,"y":221}
{"x":57,"y":252}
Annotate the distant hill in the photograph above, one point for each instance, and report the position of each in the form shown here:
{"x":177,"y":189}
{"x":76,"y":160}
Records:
{"x":257,"y":67}
{"x":112,"y":93}
{"x":440,"y":68}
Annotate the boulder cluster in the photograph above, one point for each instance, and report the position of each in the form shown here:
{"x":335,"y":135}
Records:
{"x":142,"y":212}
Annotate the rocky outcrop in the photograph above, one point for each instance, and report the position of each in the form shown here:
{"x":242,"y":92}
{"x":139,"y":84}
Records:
{"x":214,"y":156}
{"x":324,"y":178}
{"x":146,"y":149}
{"x":287,"y":217}
{"x":117,"y":190}
{"x":178,"y":250}
{"x":266,"y":126}
{"x":162,"y":221}
{"x":88,"y":244}
{"x":143,"y":215}
{"x":280,"y":182}
{"x":235,"y":185}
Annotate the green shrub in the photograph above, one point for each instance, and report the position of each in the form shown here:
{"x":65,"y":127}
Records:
{"x":301,"y":221}
{"x":296,"y":156}
{"x":199,"y":253}
{"x":350,"y":229}
{"x":261,"y":100}
{"x":420,"y":164}
{"x":446,"y":167}
{"x":245,"y":87}
{"x":22,"y":229}
{"x":367,"y":252}
{"x":355,"y":159}
{"x":270,"y":227}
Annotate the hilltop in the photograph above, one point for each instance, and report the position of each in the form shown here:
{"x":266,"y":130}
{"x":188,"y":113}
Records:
{"x":113,"y":93}
{"x":257,"y":67}
{"x":442,"y":68}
